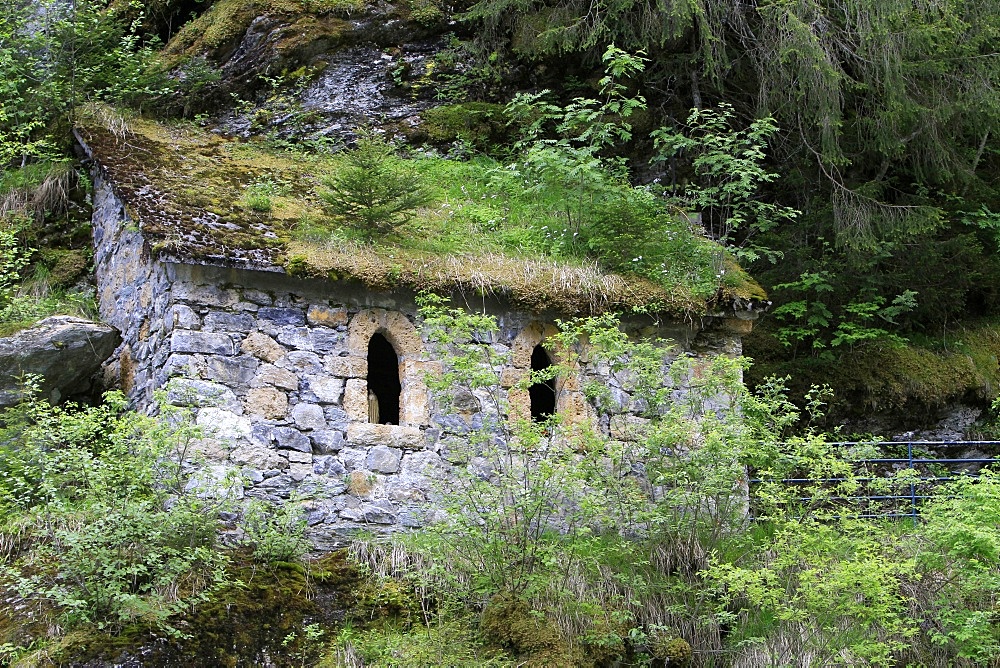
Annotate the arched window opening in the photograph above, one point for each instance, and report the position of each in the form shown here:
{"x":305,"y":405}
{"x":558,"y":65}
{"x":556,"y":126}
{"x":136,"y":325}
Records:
{"x":383,"y":381}
{"x":543,"y":394}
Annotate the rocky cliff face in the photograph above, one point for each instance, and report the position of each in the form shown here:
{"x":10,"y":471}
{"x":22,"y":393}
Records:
{"x":316,"y":70}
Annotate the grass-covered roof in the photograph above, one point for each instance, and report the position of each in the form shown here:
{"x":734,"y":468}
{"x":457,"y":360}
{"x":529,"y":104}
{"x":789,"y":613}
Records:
{"x":202,"y":198}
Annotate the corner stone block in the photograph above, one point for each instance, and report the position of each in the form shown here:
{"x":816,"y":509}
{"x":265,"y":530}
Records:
{"x":325,"y":316}
{"x":362,"y":327}
{"x":407,"y":343}
{"x":356,"y":399}
{"x":385,"y":434}
{"x":267,"y":402}
{"x":201,"y":393}
{"x":383,"y":459}
{"x":262,"y":347}
{"x":186,"y":341}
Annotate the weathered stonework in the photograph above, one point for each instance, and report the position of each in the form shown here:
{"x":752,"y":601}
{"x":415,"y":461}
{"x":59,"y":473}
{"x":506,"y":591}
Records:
{"x":274,"y":370}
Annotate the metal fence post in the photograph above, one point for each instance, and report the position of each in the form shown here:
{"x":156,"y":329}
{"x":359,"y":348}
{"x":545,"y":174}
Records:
{"x":913,"y":484}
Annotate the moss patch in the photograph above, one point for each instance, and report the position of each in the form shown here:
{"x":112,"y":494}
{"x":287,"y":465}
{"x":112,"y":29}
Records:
{"x":186,"y":189}
{"x":219,"y":30}
{"x":64,"y":266}
{"x":915,"y":377}
{"x":533,"y":283}
{"x":259,"y":620}
{"x":482,"y":125}
{"x":510,"y":623}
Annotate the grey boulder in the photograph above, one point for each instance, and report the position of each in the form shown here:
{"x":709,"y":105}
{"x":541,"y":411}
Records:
{"x":64,"y":351}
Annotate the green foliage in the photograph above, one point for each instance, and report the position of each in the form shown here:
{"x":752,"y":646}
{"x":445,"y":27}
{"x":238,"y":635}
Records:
{"x":426,"y":12}
{"x":563,"y":158}
{"x":729,"y":173}
{"x":275,"y":533}
{"x":442,"y":643}
{"x":961,"y":527}
{"x":585,"y":547}
{"x":570,"y":165}
{"x":100,"y":523}
{"x":810,"y":320}
{"x":23,"y":300}
{"x":55,"y":57}
{"x":374,"y":192}
{"x":13,"y":259}
{"x":257,"y":197}
{"x":884,"y":119}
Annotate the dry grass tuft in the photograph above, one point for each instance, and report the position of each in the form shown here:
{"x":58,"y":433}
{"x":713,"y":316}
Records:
{"x":49,"y":196}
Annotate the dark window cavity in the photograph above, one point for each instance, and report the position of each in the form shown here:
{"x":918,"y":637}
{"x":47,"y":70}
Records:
{"x":543,"y":394}
{"x":383,"y":380}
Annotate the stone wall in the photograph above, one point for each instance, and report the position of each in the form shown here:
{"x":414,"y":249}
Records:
{"x":273,"y":369}
{"x":133,"y":293}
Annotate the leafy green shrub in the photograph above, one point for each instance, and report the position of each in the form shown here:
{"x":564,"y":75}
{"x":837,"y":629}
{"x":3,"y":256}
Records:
{"x":442,"y":643}
{"x":374,"y":192}
{"x":963,"y":585}
{"x":338,"y":7}
{"x":646,"y":545}
{"x":276,"y":533}
{"x":426,"y":12}
{"x":99,"y":521}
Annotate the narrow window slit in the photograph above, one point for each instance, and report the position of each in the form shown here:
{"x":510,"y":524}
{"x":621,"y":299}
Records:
{"x":542,"y":394}
{"x":384,"y":387}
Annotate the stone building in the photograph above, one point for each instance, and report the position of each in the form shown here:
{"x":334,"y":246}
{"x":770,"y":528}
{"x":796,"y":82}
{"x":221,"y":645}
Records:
{"x":282,"y":371}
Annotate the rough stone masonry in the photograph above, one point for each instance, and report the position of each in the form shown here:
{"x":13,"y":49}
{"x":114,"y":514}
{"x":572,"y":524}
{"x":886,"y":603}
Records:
{"x":274,"y":370}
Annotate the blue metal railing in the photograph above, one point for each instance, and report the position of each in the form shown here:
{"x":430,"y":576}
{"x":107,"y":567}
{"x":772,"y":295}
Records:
{"x":931,"y":471}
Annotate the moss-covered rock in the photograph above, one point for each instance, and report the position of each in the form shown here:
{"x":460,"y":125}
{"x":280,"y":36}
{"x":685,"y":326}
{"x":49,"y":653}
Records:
{"x":64,"y":266}
{"x":512,"y":624}
{"x":912,"y":380}
{"x":481,"y":125}
{"x":257,"y":620}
